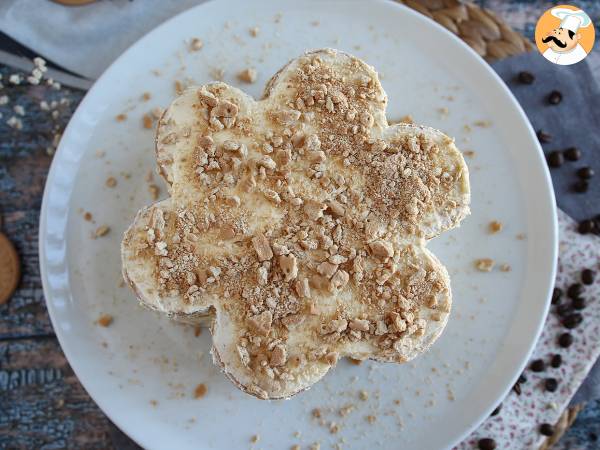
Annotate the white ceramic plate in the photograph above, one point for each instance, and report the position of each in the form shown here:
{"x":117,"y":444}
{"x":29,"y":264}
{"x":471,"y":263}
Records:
{"x":142,"y":370}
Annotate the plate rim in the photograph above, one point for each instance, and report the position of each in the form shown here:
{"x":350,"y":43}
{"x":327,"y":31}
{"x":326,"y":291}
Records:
{"x":413,"y":15}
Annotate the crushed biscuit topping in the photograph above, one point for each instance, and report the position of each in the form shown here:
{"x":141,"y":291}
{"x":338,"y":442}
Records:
{"x":300,"y":221}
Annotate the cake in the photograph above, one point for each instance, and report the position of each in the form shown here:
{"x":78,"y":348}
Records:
{"x":296,"y":226}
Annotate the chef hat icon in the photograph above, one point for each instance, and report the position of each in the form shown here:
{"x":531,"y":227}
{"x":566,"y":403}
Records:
{"x":571,"y":19}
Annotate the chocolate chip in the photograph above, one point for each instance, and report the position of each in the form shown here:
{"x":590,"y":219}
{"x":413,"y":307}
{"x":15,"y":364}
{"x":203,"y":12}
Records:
{"x":538,"y":365}
{"x":517,"y":388}
{"x":555,"y":159}
{"x":555,"y":98}
{"x":565,"y":340}
{"x":585,"y":173}
{"x":575,"y":290}
{"x":587,"y":276}
{"x":544,"y":137}
{"x":572,"y":153}
{"x":572,"y":321}
{"x":556,"y":361}
{"x":526,"y":77}
{"x":497,"y":410}
{"x":546,"y":429}
{"x":586,"y":226}
{"x":522,"y":379}
{"x":551,"y":384}
{"x":578,"y":303}
{"x":556,"y":295}
{"x":486,"y":444}
{"x":581,"y":186}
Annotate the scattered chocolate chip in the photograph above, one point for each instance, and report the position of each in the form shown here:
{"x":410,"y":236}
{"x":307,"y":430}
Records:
{"x":522,"y":379}
{"x":556,"y":295}
{"x":581,"y":186}
{"x":551,"y":384}
{"x":587,"y":276}
{"x":517,"y":388}
{"x":593,"y":436}
{"x":556,"y":361}
{"x":538,"y":365}
{"x":575,"y":290}
{"x":586,"y":226}
{"x":555,"y":97}
{"x":572,"y":321}
{"x":572,"y":153}
{"x":585,"y":173}
{"x":496,"y":411}
{"x":486,"y":444}
{"x":565,"y":340}
{"x":578,"y":303}
{"x":526,"y":77}
{"x":544,"y":137}
{"x":546,"y":429}
{"x":555,"y":159}
{"x":563,"y":310}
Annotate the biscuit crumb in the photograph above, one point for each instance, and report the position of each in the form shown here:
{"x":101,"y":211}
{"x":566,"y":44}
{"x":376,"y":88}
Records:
{"x":111,"y":182}
{"x":105,"y":320}
{"x":505,"y":267}
{"x":147,"y":121}
{"x":179,"y":87}
{"x":247,"y":75}
{"x":154,"y":191}
{"x":146,"y":96}
{"x":255,"y":438}
{"x":153,"y":403}
{"x":254,"y":31}
{"x":484,"y":264}
{"x":196,"y":44}
{"x":363,"y":395}
{"x":482,"y":123}
{"x":371,"y":419}
{"x":295,"y":447}
{"x":87,"y":216}
{"x":316,"y":413}
{"x":495,"y":226}
{"x":121,"y":117}
{"x":469,"y":153}
{"x":102,"y":231}
{"x":200,"y":391}
{"x":521,"y":236}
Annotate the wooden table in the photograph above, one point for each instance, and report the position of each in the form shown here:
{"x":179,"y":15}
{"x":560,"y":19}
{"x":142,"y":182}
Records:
{"x":42,"y":403}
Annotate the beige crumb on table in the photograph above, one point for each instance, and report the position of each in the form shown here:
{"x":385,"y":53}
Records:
{"x":248,"y":75}
{"x":495,"y":226}
{"x":505,"y":267}
{"x":200,"y":390}
{"x":484,"y":264}
{"x":469,"y":153}
{"x":105,"y":320}
{"x":295,"y":447}
{"x":371,"y":419}
{"x":146,"y":96}
{"x":254,"y":31}
{"x":147,"y":121}
{"x":102,"y":230}
{"x":482,"y":123}
{"x":111,"y":182}
{"x":196,"y":44}
{"x":334,"y":428}
{"x":87,"y":216}
{"x":315,"y":446}
{"x":363,"y":395}
{"x":316,"y":412}
{"x":121,"y":117}
{"x":179,"y":87}
{"x":154,"y":191}
{"x":255,"y":438}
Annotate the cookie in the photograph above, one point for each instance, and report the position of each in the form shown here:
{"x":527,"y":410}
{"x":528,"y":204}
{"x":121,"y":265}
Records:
{"x":9,"y":269}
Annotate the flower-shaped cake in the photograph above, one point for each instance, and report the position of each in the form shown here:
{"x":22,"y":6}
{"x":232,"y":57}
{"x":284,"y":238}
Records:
{"x":296,"y":225}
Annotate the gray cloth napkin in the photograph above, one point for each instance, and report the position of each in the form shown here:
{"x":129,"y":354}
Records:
{"x":573,"y":122}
